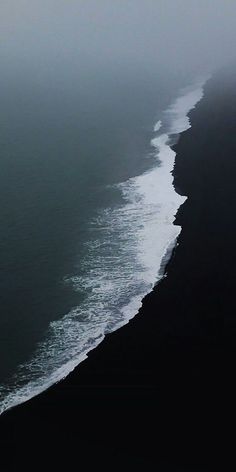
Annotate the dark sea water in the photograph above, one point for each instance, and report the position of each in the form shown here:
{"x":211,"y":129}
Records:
{"x":80,"y":239}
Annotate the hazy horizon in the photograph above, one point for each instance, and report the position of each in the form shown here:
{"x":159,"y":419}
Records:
{"x":61,"y":37}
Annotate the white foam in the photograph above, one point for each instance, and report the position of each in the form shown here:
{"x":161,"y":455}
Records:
{"x":157,"y":126}
{"x":123,"y":260}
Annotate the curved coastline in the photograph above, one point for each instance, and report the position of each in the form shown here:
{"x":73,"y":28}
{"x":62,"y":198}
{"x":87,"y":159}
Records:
{"x":161,"y":371}
{"x":159,"y":204}
{"x":159,"y":178}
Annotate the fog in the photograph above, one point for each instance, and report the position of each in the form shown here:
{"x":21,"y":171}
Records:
{"x":174,"y":34}
{"x":177,"y":35}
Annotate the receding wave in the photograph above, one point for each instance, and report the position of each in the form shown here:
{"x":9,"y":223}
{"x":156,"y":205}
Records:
{"x":124,"y":258}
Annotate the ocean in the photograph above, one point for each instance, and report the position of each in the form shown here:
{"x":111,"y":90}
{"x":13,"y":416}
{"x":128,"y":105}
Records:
{"x":87,"y":212}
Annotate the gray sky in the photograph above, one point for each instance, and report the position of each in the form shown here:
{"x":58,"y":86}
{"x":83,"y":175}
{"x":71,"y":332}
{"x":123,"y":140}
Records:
{"x":179,"y":34}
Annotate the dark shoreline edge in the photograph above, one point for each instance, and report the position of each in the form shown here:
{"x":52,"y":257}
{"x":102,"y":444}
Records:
{"x":164,"y":369}
{"x":167,"y":256}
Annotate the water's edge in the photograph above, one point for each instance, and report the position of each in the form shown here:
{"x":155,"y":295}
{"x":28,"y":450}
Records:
{"x":159,"y":182}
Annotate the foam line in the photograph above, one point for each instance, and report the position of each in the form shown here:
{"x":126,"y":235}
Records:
{"x":124,"y":259}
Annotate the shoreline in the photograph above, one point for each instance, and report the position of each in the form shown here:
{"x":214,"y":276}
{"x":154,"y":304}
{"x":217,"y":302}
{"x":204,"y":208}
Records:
{"x":164,"y":370}
{"x":164,"y":201}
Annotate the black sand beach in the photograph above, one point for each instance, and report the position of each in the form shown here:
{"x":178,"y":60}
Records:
{"x":155,"y":393}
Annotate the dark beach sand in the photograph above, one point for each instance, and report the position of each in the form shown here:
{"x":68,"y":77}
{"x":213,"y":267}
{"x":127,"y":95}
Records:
{"x":154,"y":394}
